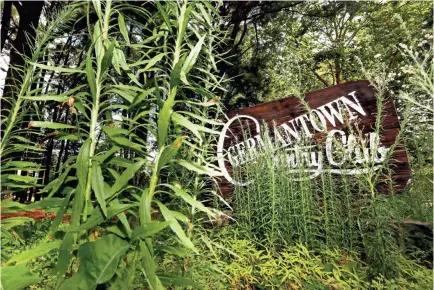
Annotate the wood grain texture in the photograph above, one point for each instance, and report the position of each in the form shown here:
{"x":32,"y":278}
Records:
{"x":284,"y":110}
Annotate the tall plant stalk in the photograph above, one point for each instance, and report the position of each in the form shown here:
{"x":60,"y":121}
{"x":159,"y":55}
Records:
{"x":177,"y":102}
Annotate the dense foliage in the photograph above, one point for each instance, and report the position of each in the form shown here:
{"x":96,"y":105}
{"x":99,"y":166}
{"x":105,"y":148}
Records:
{"x":110,"y":113}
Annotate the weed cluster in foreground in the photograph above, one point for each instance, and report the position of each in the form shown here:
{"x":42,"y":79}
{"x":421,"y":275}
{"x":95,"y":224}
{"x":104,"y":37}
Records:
{"x":285,"y":207}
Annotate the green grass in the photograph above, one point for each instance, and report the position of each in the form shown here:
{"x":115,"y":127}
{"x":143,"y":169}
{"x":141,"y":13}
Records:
{"x":331,"y":211}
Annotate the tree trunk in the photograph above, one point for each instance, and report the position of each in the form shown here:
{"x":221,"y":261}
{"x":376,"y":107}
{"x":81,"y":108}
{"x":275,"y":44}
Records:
{"x":50,"y":146}
{"x":30,"y":12}
{"x":6,"y":20}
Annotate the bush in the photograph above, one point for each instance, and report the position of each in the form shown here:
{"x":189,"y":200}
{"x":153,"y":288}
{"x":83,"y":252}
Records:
{"x":234,"y":263}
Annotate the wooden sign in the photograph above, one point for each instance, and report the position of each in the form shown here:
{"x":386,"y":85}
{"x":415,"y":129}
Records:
{"x":345,"y":113}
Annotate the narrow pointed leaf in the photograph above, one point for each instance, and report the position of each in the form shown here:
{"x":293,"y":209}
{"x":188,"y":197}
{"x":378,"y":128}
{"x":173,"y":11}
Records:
{"x":198,"y":168}
{"x":17,"y":278}
{"x":123,"y":28}
{"x":107,"y":59}
{"x":51,"y":125}
{"x":148,"y":230}
{"x":189,"y":199}
{"x":98,"y":186}
{"x":175,"y":226}
{"x":179,"y":119}
{"x":191,"y":59}
{"x":90,"y":73}
{"x":58,"y":68}
{"x":29,"y":255}
{"x":169,"y":152}
{"x":150,"y":268}
{"x":122,"y":181}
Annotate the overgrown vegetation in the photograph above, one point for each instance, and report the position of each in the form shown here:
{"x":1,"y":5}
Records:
{"x":110,"y":126}
{"x":168,"y":109}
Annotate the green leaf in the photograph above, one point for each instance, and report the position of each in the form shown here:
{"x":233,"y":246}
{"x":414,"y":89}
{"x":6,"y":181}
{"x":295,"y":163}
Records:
{"x":118,"y":137}
{"x":58,"y":68}
{"x":128,"y":96}
{"x":9,"y":205}
{"x":59,"y":216}
{"x":55,"y":185}
{"x":22,"y":178}
{"x":121,"y":216}
{"x":140,"y":97}
{"x":97,"y":216}
{"x":102,"y":157}
{"x":97,"y":40}
{"x":145,"y":208}
{"x":167,"y":279}
{"x":203,"y":119}
{"x":177,"y":251}
{"x":81,"y":107}
{"x":163,"y":122}
{"x":175,"y":76}
{"x":175,"y":226}
{"x":68,"y":136}
{"x":97,"y":6}
{"x":164,"y":14}
{"x":191,"y":59}
{"x":13,"y":222}
{"x":17,"y":278}
{"x":90,"y":73}
{"x":107,"y":59}
{"x":65,"y":254}
{"x":83,"y":166}
{"x":119,"y":161}
{"x":154,"y":60}
{"x":180,"y":217}
{"x":60,"y":98}
{"x":117,"y":229}
{"x":47,"y":203}
{"x":150,"y":268}
{"x":205,"y":14}
{"x":169,"y":152}
{"x":57,"y":98}
{"x":198,"y":168}
{"x":122,"y":181}
{"x":182,"y":22}
{"x":166,"y":111}
{"x":148,"y":230}
{"x":147,"y":40}
{"x":123,"y":28}
{"x":29,"y":255}
{"x":116,"y":59}
{"x":20,"y":164}
{"x":108,"y":10}
{"x":51,"y":125}
{"x":180,"y":120}
{"x":189,"y":199}
{"x":98,"y":262}
{"x":98,"y":186}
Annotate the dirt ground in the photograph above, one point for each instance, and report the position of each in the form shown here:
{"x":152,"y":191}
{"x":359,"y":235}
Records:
{"x":37,"y":214}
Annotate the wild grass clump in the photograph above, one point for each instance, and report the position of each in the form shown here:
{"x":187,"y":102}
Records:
{"x":287,"y":205}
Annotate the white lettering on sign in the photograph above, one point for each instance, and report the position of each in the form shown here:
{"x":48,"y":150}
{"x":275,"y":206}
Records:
{"x":340,"y":148}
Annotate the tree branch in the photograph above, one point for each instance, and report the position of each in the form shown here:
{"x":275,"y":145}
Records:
{"x":293,"y":4}
{"x":321,"y":79}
